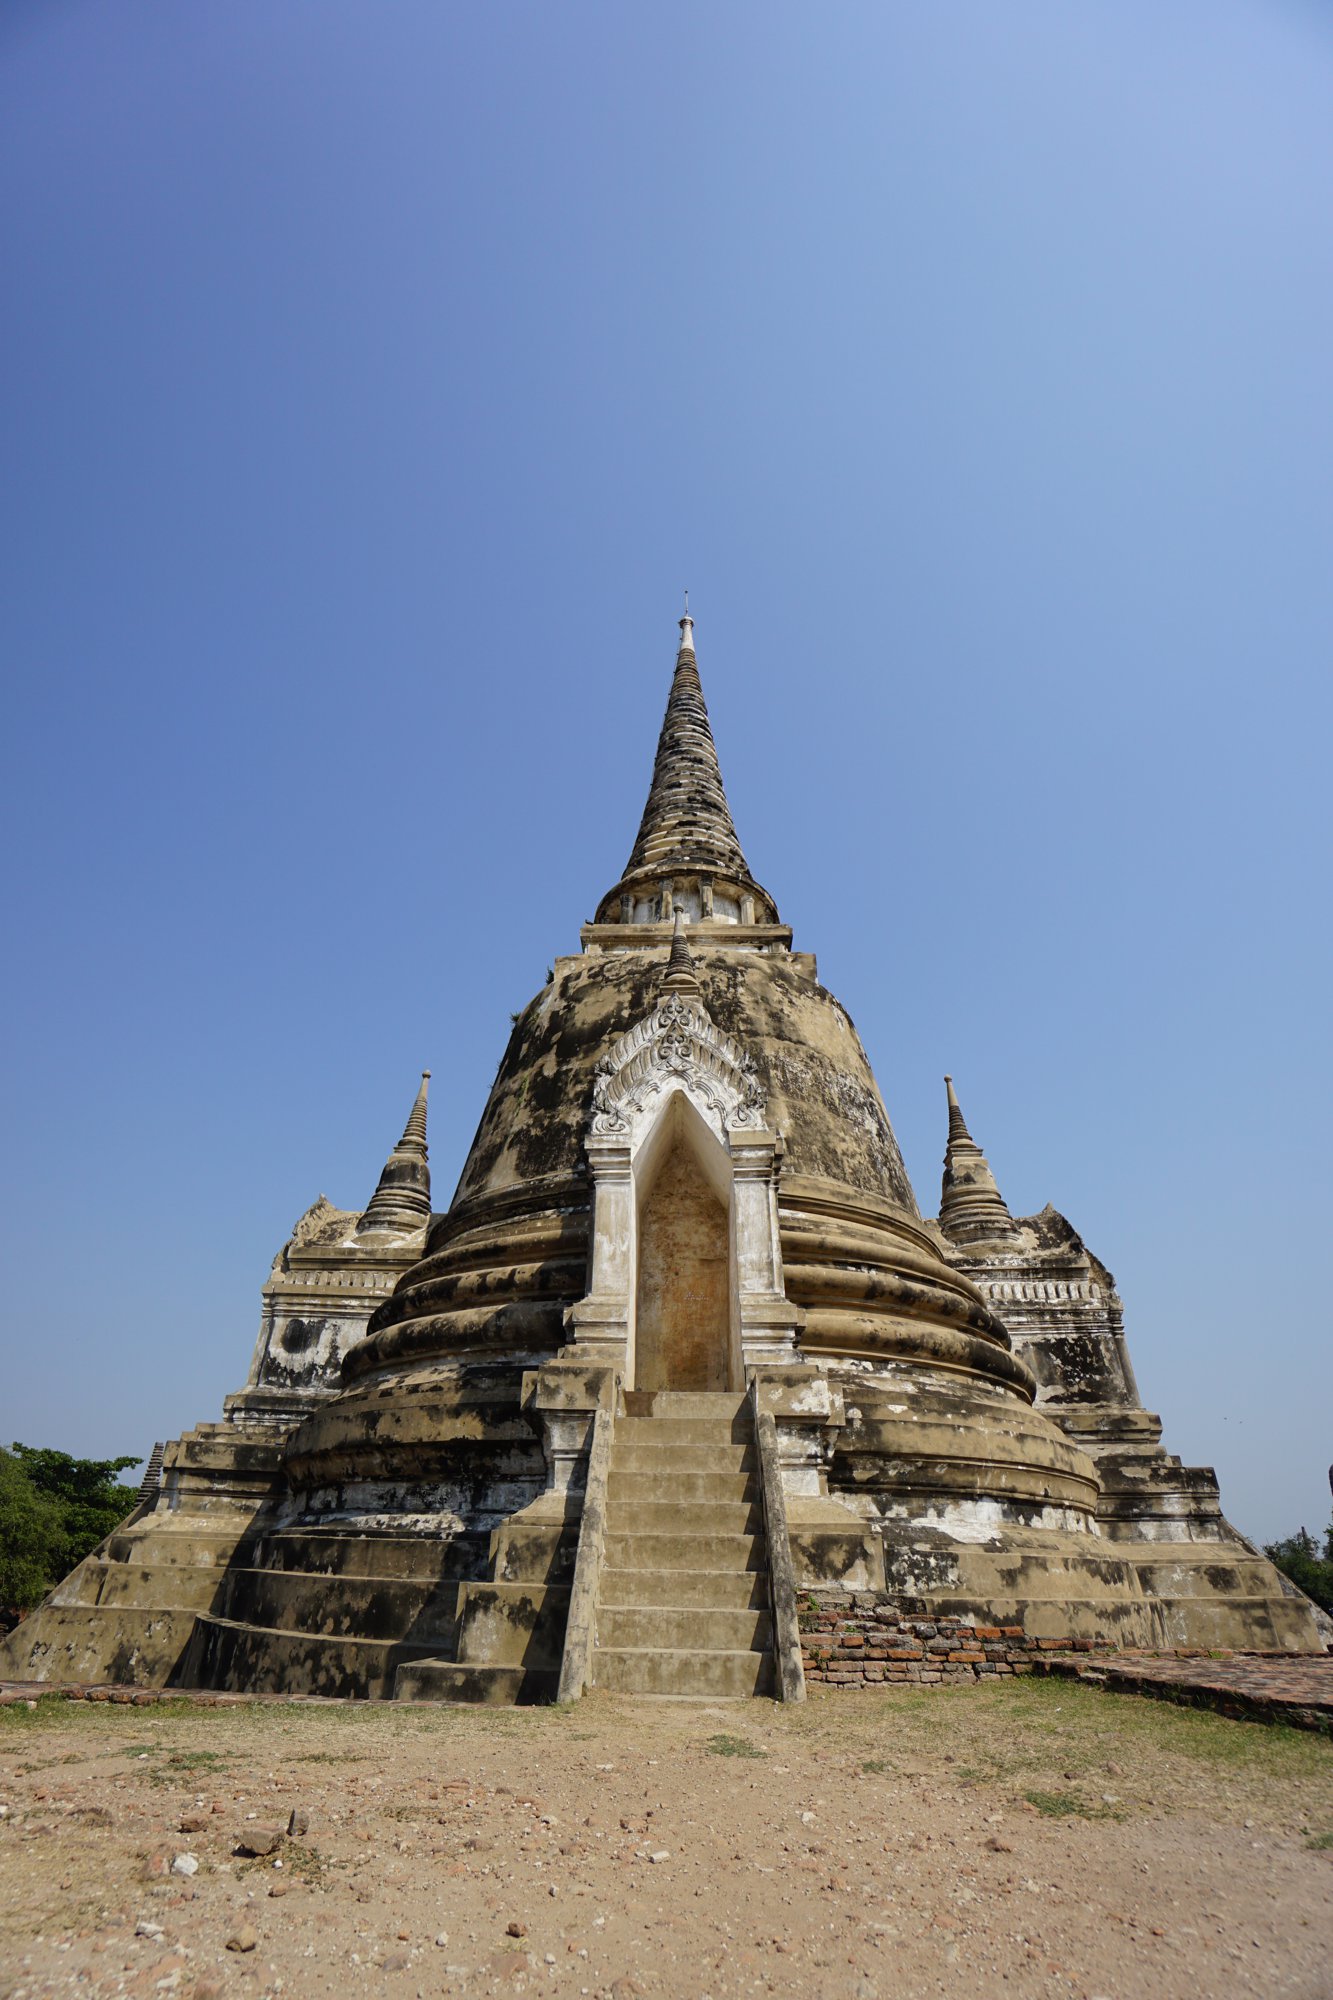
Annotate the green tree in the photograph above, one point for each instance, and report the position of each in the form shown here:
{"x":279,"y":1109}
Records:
{"x":1310,"y":1568}
{"x":86,"y":1493}
{"x":32,"y":1541}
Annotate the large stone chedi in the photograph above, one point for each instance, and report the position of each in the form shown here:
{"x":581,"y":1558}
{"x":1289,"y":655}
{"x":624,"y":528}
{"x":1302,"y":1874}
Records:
{"x":682,"y":1347}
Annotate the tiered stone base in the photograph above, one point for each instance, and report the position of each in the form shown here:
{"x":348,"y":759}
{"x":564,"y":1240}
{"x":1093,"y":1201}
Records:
{"x":128,"y":1612}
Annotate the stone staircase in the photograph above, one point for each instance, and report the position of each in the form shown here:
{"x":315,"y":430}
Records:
{"x":683,"y":1607}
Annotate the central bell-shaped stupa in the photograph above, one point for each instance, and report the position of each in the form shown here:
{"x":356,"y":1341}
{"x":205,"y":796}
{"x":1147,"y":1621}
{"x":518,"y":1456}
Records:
{"x":682,"y":1346}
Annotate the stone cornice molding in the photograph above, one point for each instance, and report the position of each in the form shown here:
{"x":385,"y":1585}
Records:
{"x":716,"y":936}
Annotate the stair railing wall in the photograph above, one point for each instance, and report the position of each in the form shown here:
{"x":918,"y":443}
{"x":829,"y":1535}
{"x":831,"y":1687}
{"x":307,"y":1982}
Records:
{"x":581,"y":1628}
{"x":781,"y":1574}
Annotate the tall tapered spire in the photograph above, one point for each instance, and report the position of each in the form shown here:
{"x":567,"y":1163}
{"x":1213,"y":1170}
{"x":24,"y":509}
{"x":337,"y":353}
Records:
{"x":972,"y":1209}
{"x":401,"y":1201}
{"x":687,"y":844}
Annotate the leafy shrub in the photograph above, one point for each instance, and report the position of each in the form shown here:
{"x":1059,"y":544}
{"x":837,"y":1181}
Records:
{"x":1309,"y":1567}
{"x":54,"y":1510}
{"x":32,"y":1539}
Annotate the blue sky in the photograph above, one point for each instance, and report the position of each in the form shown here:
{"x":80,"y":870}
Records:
{"x":375,"y":379}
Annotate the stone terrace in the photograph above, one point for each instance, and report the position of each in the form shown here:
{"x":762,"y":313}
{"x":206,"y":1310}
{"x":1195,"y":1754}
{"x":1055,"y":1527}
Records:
{"x":1294,"y":1688}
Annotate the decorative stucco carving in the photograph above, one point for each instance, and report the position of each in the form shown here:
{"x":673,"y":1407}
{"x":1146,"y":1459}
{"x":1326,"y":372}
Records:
{"x":677,"y":1042}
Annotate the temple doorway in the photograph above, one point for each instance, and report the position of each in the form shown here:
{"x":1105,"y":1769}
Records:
{"x":683,"y":1294}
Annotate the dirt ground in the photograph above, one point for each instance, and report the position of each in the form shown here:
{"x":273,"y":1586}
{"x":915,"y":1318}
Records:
{"x":1027,"y":1838}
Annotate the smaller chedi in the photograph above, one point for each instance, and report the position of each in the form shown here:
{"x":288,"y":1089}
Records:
{"x":682,"y":1347}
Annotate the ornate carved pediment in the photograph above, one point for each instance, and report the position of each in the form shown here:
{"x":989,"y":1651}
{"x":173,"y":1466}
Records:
{"x":677,"y":1043}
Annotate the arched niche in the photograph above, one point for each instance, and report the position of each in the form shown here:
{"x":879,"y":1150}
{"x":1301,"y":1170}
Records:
{"x":684,"y":1328}
{"x":674,"y":1096}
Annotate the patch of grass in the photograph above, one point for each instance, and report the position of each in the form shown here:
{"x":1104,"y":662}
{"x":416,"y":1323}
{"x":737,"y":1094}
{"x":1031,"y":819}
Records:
{"x":723,"y":1745}
{"x":49,"y":1763}
{"x":1041,"y":1722}
{"x":1320,"y":1842}
{"x":17,"y":1715}
{"x":180,"y":1764}
{"x":330,"y":1757}
{"x":877,"y":1767}
{"x":1064,"y":1805}
{"x":305,"y":1863}
{"x":180,"y":1759}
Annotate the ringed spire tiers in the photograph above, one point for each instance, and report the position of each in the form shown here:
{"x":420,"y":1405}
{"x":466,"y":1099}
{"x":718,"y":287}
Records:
{"x":972,"y":1209}
{"x":401,"y":1201}
{"x":687,"y":851}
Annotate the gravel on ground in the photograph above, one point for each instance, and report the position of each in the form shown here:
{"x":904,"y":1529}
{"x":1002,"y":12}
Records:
{"x":1027,"y":1838}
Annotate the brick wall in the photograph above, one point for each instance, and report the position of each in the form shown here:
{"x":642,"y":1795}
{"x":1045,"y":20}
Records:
{"x":862,"y":1638}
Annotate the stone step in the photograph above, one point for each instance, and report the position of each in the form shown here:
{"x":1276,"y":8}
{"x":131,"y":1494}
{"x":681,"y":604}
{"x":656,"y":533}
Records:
{"x":534,"y":1552}
{"x":673,"y":1432}
{"x":159,"y":1547}
{"x":723,"y":1590}
{"x":649,"y":1670}
{"x":661,"y":1456}
{"x":640,"y":1551}
{"x":414,"y":1558}
{"x":372,"y":1607}
{"x":491,"y":1687}
{"x":191,"y":1586}
{"x":670,"y":1517}
{"x":261,"y":1660}
{"x":651,"y":1487}
{"x":512,"y":1625}
{"x":139,"y":1645}
{"x":667,"y":1628}
{"x":674,"y":1404}
{"x":1192,"y":1569}
{"x":1277,"y":1624}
